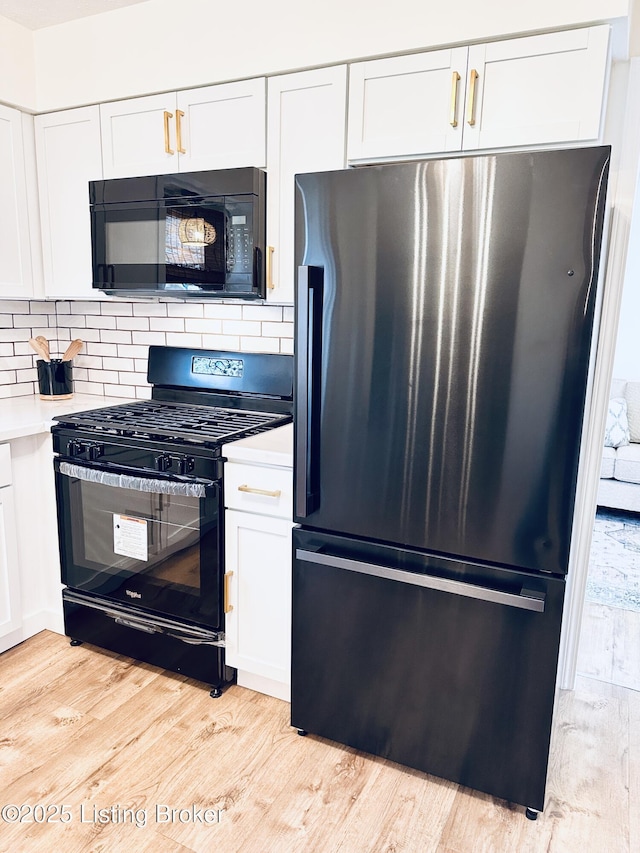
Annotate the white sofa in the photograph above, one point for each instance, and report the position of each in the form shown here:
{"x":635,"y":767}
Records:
{"x":619,"y":486}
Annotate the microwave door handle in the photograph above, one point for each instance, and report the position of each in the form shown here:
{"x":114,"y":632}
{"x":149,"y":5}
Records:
{"x":307,"y":385}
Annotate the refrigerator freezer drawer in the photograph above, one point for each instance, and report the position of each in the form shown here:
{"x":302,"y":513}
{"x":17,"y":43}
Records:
{"x":452,"y":678}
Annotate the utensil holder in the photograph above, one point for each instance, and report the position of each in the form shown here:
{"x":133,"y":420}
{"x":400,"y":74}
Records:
{"x":55,"y":379}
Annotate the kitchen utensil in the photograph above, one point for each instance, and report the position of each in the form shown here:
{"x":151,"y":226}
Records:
{"x":38,"y":347}
{"x":45,"y":345}
{"x":73,"y":349}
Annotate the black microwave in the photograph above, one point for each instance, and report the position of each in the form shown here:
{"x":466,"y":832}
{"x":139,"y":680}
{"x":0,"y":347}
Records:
{"x":190,"y":234}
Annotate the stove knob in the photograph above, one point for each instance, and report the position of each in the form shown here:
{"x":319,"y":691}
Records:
{"x":186,"y":464}
{"x":74,"y":447}
{"x":96,"y":451}
{"x":163,"y":462}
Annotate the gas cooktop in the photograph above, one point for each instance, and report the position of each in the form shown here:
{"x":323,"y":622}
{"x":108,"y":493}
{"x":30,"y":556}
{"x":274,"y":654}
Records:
{"x":179,"y":421}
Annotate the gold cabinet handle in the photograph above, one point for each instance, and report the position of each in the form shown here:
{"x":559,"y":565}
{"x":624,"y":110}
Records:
{"x":179,"y":115}
{"x":471,"y":101}
{"x":252,"y":491}
{"x":270,"y":284}
{"x":167,"y":118}
{"x":453,"y":118}
{"x":227,"y":582}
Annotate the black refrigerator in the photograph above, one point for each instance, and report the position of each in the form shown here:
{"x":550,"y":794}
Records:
{"x":444,"y":324}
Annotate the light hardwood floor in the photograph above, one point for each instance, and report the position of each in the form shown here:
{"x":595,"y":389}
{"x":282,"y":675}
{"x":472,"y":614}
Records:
{"x":90,"y":730}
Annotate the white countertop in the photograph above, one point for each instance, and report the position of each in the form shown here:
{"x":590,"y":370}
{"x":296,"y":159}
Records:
{"x":273,"y":447}
{"x":29,"y":415}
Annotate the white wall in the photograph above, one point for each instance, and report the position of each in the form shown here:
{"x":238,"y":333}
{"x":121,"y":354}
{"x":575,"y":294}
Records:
{"x":17,"y":65}
{"x":627,"y":358}
{"x":163,"y":45}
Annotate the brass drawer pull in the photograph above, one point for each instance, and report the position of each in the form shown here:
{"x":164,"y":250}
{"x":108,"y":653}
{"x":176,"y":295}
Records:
{"x":227,"y":582}
{"x":167,"y":144}
{"x":179,"y":116}
{"x":471,"y":102}
{"x":266,"y":492}
{"x":453,"y":118}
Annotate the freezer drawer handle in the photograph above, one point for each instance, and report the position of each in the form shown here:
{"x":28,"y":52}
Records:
{"x":525,"y":600}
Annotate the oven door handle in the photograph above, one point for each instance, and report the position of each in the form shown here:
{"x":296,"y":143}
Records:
{"x":138,"y":626}
{"x":188,"y":488}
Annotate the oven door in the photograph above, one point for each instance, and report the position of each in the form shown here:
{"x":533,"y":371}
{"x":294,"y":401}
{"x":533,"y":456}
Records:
{"x":151,"y":542}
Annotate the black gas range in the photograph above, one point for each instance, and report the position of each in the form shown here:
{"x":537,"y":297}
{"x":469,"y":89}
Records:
{"x":139,"y":490}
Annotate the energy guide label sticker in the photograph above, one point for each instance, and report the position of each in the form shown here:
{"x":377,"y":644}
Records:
{"x":130,"y":537}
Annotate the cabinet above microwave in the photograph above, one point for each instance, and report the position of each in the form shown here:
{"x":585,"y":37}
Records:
{"x":198,"y":234}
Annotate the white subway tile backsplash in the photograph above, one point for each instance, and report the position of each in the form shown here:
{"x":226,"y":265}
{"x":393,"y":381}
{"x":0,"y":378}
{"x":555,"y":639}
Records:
{"x":85,"y":307}
{"x":117,"y":336}
{"x":75,"y":320}
{"x":188,"y":309}
{"x":202,"y":326}
{"x":223,"y":311}
{"x":149,"y":338}
{"x":260,"y":345}
{"x":183,"y":339}
{"x":10,"y":306}
{"x":22,"y":321}
{"x":221,"y":342}
{"x":116,"y":309}
{"x":99,"y":322}
{"x":21,"y":389}
{"x":133,"y":324}
{"x":278,"y":330}
{"x":118,"y":364}
{"x":133,"y":351}
{"x":118,"y":390}
{"x":131,"y":378}
{"x":103,"y":375}
{"x":102,"y":349}
{"x":166,"y":324}
{"x":150,"y":309}
{"x":240,"y":327}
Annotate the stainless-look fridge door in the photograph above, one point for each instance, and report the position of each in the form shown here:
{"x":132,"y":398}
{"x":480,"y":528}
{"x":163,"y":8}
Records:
{"x":443,"y":329}
{"x":445,"y":667}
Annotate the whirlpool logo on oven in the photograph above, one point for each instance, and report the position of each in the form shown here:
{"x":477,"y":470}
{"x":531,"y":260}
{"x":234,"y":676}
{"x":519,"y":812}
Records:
{"x":132,"y":594}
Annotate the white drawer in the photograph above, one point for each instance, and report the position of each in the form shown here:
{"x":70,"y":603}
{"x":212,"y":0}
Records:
{"x":259,"y":488}
{"x":5,"y":465}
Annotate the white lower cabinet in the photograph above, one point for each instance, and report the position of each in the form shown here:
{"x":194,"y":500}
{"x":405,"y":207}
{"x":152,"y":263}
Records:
{"x":258,"y":522}
{"x":10,"y":612}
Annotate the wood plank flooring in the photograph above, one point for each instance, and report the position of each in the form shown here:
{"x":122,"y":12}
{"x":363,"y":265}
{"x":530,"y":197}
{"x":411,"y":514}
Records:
{"x":609,"y":647}
{"x":91,"y":730}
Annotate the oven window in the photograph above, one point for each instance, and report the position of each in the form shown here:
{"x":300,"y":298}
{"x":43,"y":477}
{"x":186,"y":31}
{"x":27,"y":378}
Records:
{"x":155,"y":550}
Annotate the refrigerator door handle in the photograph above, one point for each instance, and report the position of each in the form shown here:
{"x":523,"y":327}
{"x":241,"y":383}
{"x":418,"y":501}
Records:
{"x":526,"y":599}
{"x":307,"y":387}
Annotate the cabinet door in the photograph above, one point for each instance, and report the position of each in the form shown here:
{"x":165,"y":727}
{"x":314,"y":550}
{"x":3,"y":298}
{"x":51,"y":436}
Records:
{"x":16,"y":278}
{"x":306,"y":129}
{"x":406,"y":105}
{"x":540,"y":89}
{"x":69,"y":156}
{"x":139,"y":136}
{"x":258,"y":628}
{"x":222,"y":127}
{"x":10,"y":615}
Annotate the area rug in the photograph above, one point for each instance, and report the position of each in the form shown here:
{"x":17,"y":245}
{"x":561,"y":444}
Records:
{"x":614,"y":562}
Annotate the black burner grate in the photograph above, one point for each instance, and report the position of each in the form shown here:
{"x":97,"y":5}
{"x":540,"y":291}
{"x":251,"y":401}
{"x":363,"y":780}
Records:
{"x":175,"y":420}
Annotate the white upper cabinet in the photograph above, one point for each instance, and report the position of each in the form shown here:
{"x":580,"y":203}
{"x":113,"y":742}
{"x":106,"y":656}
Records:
{"x":215,"y":127}
{"x":223,"y":127}
{"x":406,"y":104}
{"x":69,"y":155}
{"x":16,"y":271}
{"x":537,"y":90}
{"x":544,"y":89}
{"x":306,"y":130}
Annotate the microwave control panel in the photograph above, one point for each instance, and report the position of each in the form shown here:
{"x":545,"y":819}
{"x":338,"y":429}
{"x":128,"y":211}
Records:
{"x":239,"y":239}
